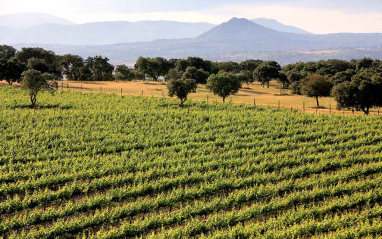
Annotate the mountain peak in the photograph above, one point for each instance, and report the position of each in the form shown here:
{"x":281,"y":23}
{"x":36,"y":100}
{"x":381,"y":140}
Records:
{"x":236,"y":20}
{"x":239,"y":29}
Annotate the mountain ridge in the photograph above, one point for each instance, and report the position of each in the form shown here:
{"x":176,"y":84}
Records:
{"x":25,"y":20}
{"x":235,"y":37}
{"x":275,"y":25}
{"x":103,"y":33}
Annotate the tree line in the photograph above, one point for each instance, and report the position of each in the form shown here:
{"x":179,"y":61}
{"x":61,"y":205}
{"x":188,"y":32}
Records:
{"x":355,"y":84}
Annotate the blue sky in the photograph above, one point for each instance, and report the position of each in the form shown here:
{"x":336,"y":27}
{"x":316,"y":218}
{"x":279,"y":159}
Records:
{"x":318,"y":16}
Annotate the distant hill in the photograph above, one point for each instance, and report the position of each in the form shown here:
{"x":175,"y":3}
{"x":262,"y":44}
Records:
{"x":236,"y":38}
{"x":107,"y":32}
{"x":275,"y":25}
{"x":4,"y":32}
{"x":240,"y":34}
{"x":237,"y":29}
{"x":25,"y":20}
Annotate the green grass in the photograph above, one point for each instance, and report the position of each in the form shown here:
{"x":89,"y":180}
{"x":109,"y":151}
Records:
{"x":106,"y":166}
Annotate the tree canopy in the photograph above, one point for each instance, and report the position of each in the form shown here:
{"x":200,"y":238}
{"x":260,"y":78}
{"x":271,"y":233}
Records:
{"x":100,"y":68}
{"x":33,"y":82}
{"x":223,"y":84}
{"x":124,"y":73}
{"x":181,"y":89}
{"x":267,"y":71}
{"x":315,"y":85}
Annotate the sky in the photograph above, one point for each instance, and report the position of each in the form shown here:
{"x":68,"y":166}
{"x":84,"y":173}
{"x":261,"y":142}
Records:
{"x":317,"y":16}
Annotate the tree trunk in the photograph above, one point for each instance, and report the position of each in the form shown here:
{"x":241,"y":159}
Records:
{"x":366,"y":110}
{"x":33,"y":101}
{"x":223,"y":99}
{"x":267,"y":84}
{"x":318,"y":104}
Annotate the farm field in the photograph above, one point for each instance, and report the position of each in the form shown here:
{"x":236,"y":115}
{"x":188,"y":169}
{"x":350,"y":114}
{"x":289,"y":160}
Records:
{"x":105,"y":166}
{"x":263,"y":96}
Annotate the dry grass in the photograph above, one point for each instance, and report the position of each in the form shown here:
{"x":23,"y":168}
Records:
{"x":272,"y":97}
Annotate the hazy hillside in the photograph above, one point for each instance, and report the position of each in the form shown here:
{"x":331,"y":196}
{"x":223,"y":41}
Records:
{"x":5,"y":31}
{"x":237,"y":29}
{"x":275,"y":25}
{"x":107,"y":32}
{"x":25,"y":20}
{"x":33,"y":28}
{"x":236,"y":37}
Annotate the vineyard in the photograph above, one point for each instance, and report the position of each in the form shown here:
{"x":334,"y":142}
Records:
{"x":106,"y":166}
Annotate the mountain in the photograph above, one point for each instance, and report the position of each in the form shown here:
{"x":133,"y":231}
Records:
{"x":107,"y":32}
{"x":240,"y":34}
{"x":5,"y":31}
{"x":25,"y":20}
{"x":275,"y":25}
{"x":237,"y":29}
{"x":237,"y":38}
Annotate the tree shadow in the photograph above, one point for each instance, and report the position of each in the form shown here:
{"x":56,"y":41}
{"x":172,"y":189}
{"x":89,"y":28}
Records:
{"x":43,"y":107}
{"x":254,"y":92}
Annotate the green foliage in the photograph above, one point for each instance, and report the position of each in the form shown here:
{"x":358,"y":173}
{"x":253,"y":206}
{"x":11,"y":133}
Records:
{"x":41,"y":58}
{"x":33,"y":82}
{"x":123,"y":73}
{"x":362,"y":93}
{"x":224,"y":84}
{"x":7,"y":52}
{"x":74,"y":69}
{"x":250,"y":65}
{"x":99,"y":68}
{"x":38,"y":64}
{"x":232,"y":67}
{"x":283,"y":78}
{"x":199,"y":75}
{"x":181,"y":89}
{"x":343,"y":76}
{"x":173,"y":74}
{"x":316,"y":85}
{"x":10,"y":68}
{"x":104,"y":166}
{"x":266,"y":71}
{"x":153,"y":67}
{"x":296,"y":88}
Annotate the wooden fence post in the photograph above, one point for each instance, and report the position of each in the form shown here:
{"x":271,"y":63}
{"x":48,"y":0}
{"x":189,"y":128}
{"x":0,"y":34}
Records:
{"x":330,"y":108}
{"x":254,"y":102}
{"x":303,"y":107}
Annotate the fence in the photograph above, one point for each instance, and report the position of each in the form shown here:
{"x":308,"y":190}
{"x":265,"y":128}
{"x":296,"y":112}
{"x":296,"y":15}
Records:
{"x":303,"y":109}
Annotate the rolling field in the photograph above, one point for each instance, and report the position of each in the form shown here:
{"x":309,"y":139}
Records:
{"x":106,"y":166}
